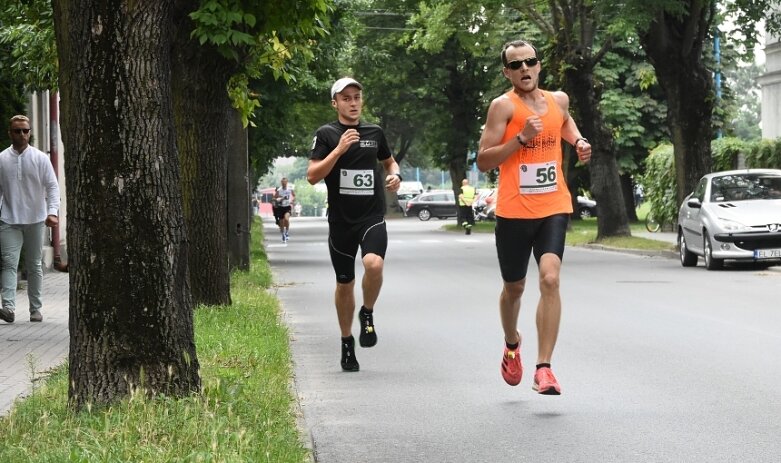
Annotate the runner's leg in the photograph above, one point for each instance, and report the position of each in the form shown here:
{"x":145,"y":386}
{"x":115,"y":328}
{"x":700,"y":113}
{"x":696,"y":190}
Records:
{"x":510,"y":308}
{"x":372,"y":279}
{"x":549,"y":307}
{"x":345,"y":307}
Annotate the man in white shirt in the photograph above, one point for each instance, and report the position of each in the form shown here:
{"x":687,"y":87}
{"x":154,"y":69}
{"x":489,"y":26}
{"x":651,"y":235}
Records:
{"x":29,"y":198}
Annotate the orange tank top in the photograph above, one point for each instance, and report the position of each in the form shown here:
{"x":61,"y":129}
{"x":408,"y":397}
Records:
{"x":531,"y":180}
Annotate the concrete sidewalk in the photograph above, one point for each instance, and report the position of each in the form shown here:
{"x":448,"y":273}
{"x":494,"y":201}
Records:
{"x":25,"y":345}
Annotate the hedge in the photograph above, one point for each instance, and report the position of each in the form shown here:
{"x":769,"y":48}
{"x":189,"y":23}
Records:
{"x":659,"y":179}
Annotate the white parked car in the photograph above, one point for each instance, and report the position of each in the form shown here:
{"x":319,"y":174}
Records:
{"x":732,"y":215}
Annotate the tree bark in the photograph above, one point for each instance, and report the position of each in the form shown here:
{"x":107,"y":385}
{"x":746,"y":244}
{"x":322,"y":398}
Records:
{"x":239,"y":213}
{"x":603,"y":169}
{"x":573,"y":30}
{"x":465,"y":84}
{"x":674,"y":46}
{"x":131,"y":323}
{"x":202,"y":112}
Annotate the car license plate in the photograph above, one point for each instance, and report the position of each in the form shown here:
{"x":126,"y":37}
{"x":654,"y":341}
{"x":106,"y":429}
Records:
{"x":767,"y":253}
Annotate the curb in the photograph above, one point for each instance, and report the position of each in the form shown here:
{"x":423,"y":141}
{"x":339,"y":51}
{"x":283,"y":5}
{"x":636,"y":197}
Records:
{"x":654,"y":253}
{"x":637,"y":252}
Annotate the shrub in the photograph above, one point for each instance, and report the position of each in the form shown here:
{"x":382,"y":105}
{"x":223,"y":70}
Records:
{"x":659,"y":184}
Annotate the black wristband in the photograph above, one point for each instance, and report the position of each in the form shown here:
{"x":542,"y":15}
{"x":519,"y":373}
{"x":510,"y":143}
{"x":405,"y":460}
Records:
{"x":518,"y":137}
{"x":401,"y":179}
{"x":581,"y":138}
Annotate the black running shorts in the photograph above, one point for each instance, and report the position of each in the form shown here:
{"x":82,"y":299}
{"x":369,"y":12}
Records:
{"x":517,"y":238}
{"x":279,"y":212}
{"x":343,"y":242}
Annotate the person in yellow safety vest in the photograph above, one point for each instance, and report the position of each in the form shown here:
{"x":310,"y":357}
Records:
{"x":465,"y":200}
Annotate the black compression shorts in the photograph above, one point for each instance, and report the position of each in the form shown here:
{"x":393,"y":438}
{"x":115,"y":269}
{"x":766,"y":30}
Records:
{"x":343,"y":242}
{"x":517,"y":238}
{"x":279,"y":212}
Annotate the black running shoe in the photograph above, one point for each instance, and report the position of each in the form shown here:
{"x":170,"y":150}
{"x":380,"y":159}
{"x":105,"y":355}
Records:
{"x":349,"y":362}
{"x":368,"y":336}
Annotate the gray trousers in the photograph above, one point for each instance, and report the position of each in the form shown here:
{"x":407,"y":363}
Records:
{"x":12,"y":237}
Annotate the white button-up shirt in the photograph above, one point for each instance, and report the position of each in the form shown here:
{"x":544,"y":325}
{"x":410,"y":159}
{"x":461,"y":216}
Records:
{"x":28,"y":187}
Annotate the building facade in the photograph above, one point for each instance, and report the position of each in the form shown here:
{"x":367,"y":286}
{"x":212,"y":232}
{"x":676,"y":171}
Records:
{"x":770,"y":83}
{"x":43,"y":111}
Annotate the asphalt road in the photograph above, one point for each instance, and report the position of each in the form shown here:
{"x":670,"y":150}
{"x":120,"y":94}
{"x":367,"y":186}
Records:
{"x":657,"y":363}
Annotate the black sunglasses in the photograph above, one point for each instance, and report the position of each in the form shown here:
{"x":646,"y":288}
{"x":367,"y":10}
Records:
{"x":530,"y":63}
{"x":21,"y":130}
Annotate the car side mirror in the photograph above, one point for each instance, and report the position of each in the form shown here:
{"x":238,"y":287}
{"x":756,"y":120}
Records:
{"x":694,"y":203}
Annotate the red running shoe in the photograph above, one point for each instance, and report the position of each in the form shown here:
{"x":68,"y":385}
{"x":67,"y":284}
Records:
{"x":545,"y":383}
{"x":512,"y":370}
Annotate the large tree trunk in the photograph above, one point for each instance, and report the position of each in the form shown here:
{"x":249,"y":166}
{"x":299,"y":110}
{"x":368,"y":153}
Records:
{"x":674,"y":45}
{"x":605,"y":179}
{"x":131,"y":322}
{"x":239,"y":213}
{"x":573,"y":30}
{"x":202,"y":113}
{"x":464,"y":85}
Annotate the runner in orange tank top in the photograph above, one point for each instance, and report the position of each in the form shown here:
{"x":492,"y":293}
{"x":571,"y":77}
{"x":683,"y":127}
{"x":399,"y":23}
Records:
{"x":522,"y":137}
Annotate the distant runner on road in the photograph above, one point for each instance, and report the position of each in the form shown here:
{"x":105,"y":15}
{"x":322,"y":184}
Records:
{"x":347,"y":153}
{"x":284,"y":197}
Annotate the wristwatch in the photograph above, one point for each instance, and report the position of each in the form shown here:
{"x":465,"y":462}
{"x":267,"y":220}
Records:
{"x":579,"y":139}
{"x":401,"y":179}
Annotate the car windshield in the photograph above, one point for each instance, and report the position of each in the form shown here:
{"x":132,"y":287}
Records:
{"x":740,"y":187}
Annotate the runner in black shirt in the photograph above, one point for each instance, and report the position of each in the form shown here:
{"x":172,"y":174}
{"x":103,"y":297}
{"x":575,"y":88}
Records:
{"x":348,"y":153}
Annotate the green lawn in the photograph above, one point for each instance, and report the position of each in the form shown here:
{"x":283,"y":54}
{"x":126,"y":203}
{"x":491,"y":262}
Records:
{"x":585,"y":232}
{"x":246,"y":412}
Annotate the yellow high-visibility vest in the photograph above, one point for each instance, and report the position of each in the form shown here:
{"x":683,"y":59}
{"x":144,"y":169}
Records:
{"x":468,"y":193}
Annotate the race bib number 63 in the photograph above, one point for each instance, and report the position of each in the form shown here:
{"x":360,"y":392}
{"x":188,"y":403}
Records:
{"x":356,"y":182}
{"x":538,"y":178}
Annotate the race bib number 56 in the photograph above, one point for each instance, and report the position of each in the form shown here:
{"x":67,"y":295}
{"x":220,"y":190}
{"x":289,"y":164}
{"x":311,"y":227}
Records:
{"x":538,"y":178}
{"x":356,"y":182}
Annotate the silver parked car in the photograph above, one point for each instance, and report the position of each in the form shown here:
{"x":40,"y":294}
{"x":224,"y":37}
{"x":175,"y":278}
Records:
{"x":732,"y":215}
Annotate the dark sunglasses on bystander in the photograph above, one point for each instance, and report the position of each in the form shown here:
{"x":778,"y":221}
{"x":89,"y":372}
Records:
{"x":21,"y":130}
{"x":529,"y":62}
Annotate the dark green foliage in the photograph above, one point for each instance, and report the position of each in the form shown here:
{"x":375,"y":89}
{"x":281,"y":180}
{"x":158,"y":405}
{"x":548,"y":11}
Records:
{"x":764,"y":153}
{"x":726,"y":152}
{"x":660,"y":185}
{"x":659,"y":178}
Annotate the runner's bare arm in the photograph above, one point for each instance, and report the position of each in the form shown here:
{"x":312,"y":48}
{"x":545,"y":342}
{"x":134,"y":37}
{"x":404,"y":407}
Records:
{"x":570,"y":132}
{"x":392,"y":179}
{"x":492,"y":151}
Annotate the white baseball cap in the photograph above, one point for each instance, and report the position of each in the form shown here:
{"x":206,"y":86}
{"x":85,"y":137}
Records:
{"x":343,"y":83}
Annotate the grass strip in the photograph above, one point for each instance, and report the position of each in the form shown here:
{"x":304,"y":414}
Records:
{"x":584,"y":232}
{"x":245,"y":413}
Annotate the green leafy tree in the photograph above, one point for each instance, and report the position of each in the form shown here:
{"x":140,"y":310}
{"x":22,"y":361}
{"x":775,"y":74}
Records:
{"x":26,"y":27}
{"x":676,"y":36}
{"x":742,"y":93}
{"x":424,"y":64}
{"x":634,"y":110}
{"x":222,"y":45}
{"x":312,"y":201}
{"x":579,"y":34}
{"x":11,"y":99}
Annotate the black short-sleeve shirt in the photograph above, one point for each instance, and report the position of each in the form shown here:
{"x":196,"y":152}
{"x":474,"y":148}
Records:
{"x":356,"y":186}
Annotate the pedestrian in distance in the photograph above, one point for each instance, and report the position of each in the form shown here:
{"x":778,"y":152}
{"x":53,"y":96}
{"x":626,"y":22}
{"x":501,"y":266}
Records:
{"x":348,"y":153}
{"x":522,"y":137}
{"x":29,"y":200}
{"x":465,"y":200}
{"x":284,"y":197}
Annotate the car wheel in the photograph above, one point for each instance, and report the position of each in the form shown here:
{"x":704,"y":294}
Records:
{"x":710,"y":262}
{"x":585,"y":213}
{"x":424,"y":214}
{"x":688,"y":258}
